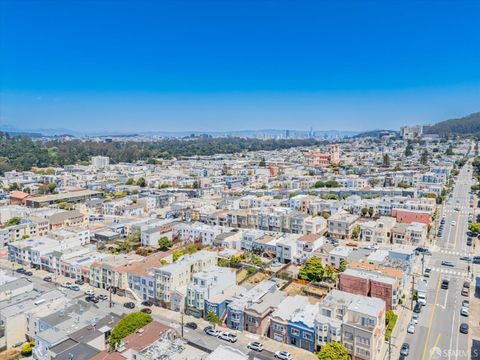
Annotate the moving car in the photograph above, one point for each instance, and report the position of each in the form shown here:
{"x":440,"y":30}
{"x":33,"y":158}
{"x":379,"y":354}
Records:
{"x":47,"y":279}
{"x":445,"y":283}
{"x":464,"y":328}
{"x":283,"y":355}
{"x":227,"y":336}
{"x":447,"y":263}
{"x":191,"y":325}
{"x":465,"y":258}
{"x":454,"y":223}
{"x":28,"y":273}
{"x":255,"y":346}
{"x":129,"y":305}
{"x":405,"y":349}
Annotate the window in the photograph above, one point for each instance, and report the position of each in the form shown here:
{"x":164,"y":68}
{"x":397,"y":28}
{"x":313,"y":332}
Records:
{"x":295,"y":332}
{"x":277,"y":327}
{"x":307,"y":336}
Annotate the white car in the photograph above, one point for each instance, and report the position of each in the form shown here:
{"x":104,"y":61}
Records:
{"x":283,"y":355}
{"x":228,"y":336}
{"x":213,"y":332}
{"x":411,"y":328}
{"x":464,"y":311}
{"x":414,"y":318}
{"x":255,"y":345}
{"x":89,"y":293}
{"x":454,"y":223}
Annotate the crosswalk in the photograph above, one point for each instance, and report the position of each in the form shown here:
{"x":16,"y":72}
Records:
{"x":461,"y":212}
{"x":450,"y":272}
{"x":451,"y":252}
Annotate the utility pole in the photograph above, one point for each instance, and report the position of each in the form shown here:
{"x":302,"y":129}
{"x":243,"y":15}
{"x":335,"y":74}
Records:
{"x":390,"y":347}
{"x":423,"y":260}
{"x":182,"y":323}
{"x":413,"y":289}
{"x":110,"y":294}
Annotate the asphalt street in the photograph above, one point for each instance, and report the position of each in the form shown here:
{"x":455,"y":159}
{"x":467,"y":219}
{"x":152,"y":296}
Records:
{"x":437,"y":334}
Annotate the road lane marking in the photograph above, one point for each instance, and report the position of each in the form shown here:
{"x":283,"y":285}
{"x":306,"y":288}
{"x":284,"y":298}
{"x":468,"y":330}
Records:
{"x":431,"y":319}
{"x":433,"y":350}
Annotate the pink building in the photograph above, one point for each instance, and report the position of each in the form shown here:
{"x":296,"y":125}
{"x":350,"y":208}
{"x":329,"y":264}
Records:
{"x":409,"y":216}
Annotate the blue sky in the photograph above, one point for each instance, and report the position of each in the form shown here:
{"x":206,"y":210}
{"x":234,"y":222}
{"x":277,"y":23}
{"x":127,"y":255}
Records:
{"x":229,"y":65}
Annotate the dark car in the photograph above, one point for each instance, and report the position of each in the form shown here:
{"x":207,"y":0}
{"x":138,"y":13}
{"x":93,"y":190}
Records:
{"x":445,"y":284}
{"x":447,"y":263}
{"x":129,"y":305}
{"x":146,"y":310}
{"x":417,"y":308}
{"x":47,"y":279}
{"x":405,"y":349}
{"x":464,"y":328}
{"x":191,"y":325}
{"x":147,"y":303}
{"x":92,"y":299}
{"x":79,"y":282}
{"x":21,"y":271}
{"x":28,"y":273}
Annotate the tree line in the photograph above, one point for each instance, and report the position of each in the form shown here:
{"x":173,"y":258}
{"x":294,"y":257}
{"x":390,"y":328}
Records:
{"x":23,"y":153}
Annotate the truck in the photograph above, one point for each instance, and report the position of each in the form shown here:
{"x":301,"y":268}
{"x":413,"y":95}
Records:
{"x":422,"y":292}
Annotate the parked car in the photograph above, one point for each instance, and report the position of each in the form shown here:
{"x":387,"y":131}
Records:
{"x":191,"y":325}
{"x":411,"y":328}
{"x":129,"y":305}
{"x":283,"y":355}
{"x":255,"y":346}
{"x":415,"y":317}
{"x":466,"y":303}
{"x":66,"y":285}
{"x":465,"y":258}
{"x":427,"y":272}
{"x":74,"y":288}
{"x":227,"y":336}
{"x":464,"y":328}
{"x":405,"y":349}
{"x":102,"y":297}
{"x":418,"y":308}
{"x":28,"y":273}
{"x":147,"y":303}
{"x":47,"y":279}
{"x":146,"y":310}
{"x":464,"y":311}
{"x":212,"y":332}
{"x":79,"y":282}
{"x":21,"y":271}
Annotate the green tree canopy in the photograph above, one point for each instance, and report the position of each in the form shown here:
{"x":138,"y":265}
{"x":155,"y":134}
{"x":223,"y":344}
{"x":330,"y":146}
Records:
{"x":312,"y":270}
{"x":164,"y":243}
{"x":213,"y":319}
{"x":333,"y":351}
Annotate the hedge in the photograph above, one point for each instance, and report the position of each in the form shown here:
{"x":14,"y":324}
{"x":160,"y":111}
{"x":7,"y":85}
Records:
{"x":390,"y":325}
{"x":128,"y":325}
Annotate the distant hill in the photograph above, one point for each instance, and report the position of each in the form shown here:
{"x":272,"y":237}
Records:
{"x":468,"y":125}
{"x":376,"y":133}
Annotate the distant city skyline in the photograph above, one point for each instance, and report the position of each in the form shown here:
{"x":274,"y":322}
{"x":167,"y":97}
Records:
{"x":228,"y":66}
